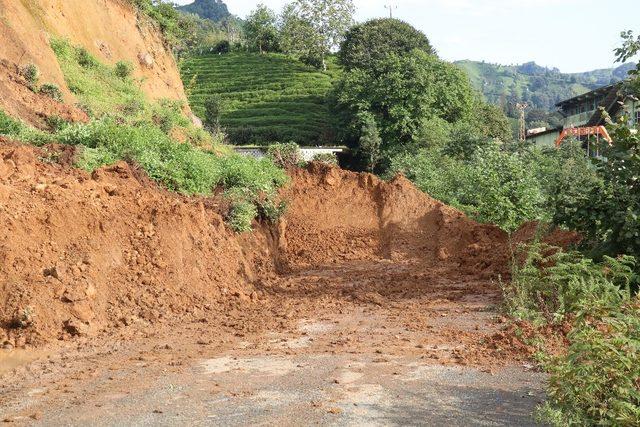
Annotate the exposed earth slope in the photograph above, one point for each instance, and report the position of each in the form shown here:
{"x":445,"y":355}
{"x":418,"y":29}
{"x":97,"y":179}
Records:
{"x":132,"y":305}
{"x":111,"y":30}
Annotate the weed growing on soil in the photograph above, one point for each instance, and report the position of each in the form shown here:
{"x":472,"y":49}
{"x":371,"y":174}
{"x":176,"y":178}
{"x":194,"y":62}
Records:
{"x":285,"y":155}
{"x":328,"y":158}
{"x":31,"y":74}
{"x":123,"y":69}
{"x":52,"y":91}
{"x":9,"y":126}
{"x":597,"y":380}
{"x":551,"y":283}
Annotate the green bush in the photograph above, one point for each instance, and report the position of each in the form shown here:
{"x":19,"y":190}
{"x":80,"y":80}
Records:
{"x":31,"y":74}
{"x":9,"y":126}
{"x":85,"y":59}
{"x":212,"y":111}
{"x":285,"y":155}
{"x":494,"y":186}
{"x":598,"y":381}
{"x":241,"y":216}
{"x":223,"y":46}
{"x":123,"y":69}
{"x":328,"y":158}
{"x":52,"y":91}
{"x":551,"y":284}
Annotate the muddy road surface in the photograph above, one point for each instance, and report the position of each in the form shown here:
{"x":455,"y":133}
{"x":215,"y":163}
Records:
{"x":355,"y":343}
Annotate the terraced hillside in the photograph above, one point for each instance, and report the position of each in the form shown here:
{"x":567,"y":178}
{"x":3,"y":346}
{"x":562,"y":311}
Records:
{"x":265,"y":98}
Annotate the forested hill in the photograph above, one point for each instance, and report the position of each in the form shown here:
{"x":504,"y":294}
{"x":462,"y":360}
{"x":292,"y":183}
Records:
{"x":540,"y":86}
{"x":215,"y":10}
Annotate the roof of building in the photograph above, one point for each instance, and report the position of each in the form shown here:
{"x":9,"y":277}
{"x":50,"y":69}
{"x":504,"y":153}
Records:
{"x":604,"y":90}
{"x":546,"y":132}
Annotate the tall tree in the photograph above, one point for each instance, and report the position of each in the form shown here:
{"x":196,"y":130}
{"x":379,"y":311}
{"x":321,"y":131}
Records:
{"x":364,"y":44}
{"x":329,"y":20}
{"x":261,"y":30}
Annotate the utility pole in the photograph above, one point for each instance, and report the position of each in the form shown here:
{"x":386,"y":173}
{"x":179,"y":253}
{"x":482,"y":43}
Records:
{"x":522,"y":107}
{"x":391,"y":7}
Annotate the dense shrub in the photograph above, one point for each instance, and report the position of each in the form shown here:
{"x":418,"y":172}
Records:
{"x":493,"y":186}
{"x":241,"y":216}
{"x":212,"y":111}
{"x":367,"y":43}
{"x":598,"y":381}
{"x":85,"y":59}
{"x":8,"y":126}
{"x":551,"y":284}
{"x":223,"y":46}
{"x":328,"y":158}
{"x":123,"y":69}
{"x":52,"y":91}
{"x":285,"y":155}
{"x":31,"y":74}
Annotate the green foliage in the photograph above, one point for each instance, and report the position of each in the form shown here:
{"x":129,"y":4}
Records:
{"x":31,"y":74}
{"x":285,"y":155}
{"x":9,"y":126}
{"x":493,"y":186}
{"x":123,"y":69}
{"x":370,"y":142}
{"x":85,"y":59}
{"x":598,"y":381}
{"x":491,"y":122}
{"x":52,"y":91}
{"x":212,"y":111}
{"x":223,"y":46}
{"x":552,"y":284}
{"x":266,"y":98}
{"x":324,"y":24}
{"x":260,"y":29}
{"x":610,"y":217}
{"x":328,"y":158}
{"x":241,"y":216}
{"x":402,"y":92}
{"x":366,"y":44}
{"x":97,"y":87}
{"x":541,"y":87}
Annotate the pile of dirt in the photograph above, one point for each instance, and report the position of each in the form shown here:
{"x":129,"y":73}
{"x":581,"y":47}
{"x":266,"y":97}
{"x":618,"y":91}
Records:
{"x":335,"y":215}
{"x":111,"y":30}
{"x":83,"y":254}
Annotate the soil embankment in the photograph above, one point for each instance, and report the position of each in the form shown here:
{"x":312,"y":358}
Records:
{"x":83,"y":254}
{"x":111,"y":30}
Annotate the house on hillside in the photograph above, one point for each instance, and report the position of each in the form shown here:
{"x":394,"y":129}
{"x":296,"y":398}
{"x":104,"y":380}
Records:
{"x":584,"y":111}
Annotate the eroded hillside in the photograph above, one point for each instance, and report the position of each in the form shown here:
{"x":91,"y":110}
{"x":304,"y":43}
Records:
{"x":111,"y":30}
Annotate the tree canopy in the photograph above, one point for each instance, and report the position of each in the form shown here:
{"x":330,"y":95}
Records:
{"x":322,"y":25}
{"x":261,"y":30}
{"x":364,"y":44}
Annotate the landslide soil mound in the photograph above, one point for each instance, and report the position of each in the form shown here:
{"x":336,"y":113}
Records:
{"x":82,"y":254}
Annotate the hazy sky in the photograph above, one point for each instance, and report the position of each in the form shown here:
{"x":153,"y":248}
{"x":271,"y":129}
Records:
{"x":573,"y":35}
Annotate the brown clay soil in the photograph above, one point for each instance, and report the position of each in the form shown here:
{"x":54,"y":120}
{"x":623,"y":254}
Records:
{"x":99,"y":270}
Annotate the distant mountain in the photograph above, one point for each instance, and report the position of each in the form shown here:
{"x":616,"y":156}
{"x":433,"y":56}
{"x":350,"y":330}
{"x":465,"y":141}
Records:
{"x":541,"y":87}
{"x":215,"y":10}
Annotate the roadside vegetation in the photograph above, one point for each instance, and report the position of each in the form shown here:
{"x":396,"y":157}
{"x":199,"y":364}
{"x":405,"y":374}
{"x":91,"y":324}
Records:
{"x":157,"y":136}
